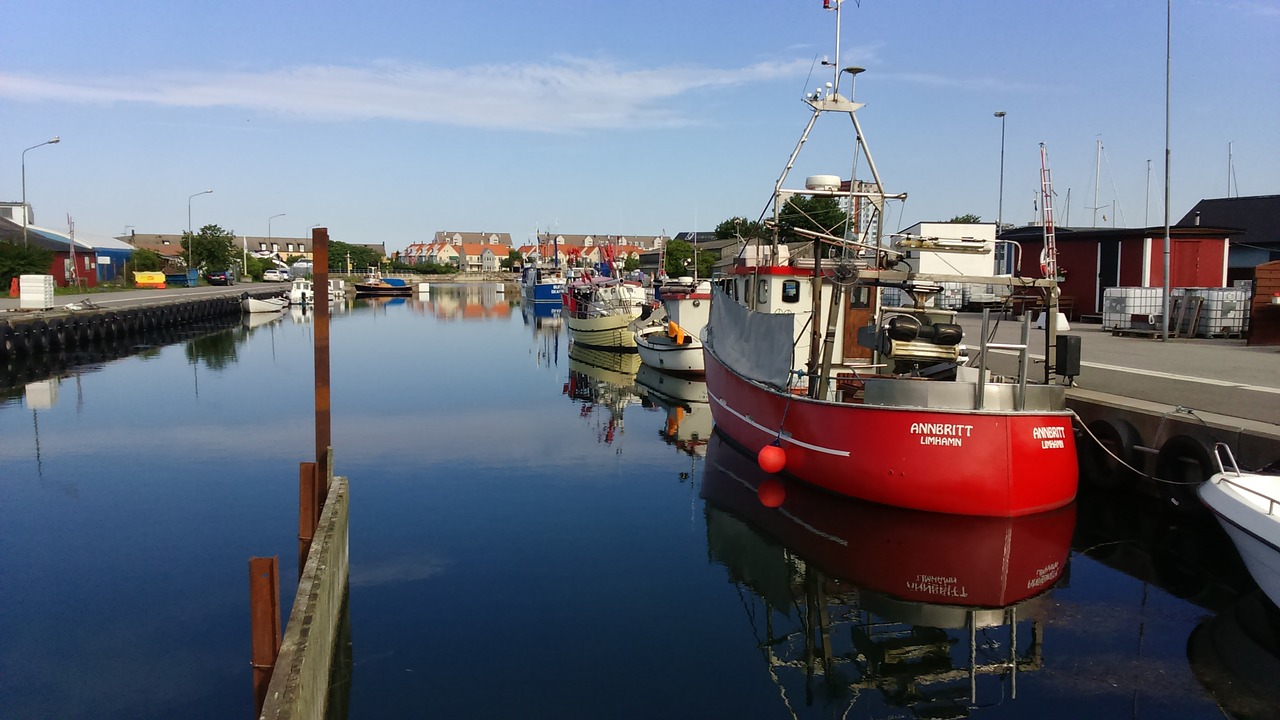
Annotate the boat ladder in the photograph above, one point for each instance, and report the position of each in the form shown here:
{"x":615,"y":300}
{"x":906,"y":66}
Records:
{"x":1020,"y":396}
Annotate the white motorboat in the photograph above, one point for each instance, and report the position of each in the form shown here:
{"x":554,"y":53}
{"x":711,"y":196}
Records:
{"x":275,"y":303}
{"x":671,"y":340}
{"x":302,"y":292}
{"x":1247,"y":505}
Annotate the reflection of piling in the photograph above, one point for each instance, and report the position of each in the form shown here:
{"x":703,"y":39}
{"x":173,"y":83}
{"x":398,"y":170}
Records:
{"x":305,"y":656}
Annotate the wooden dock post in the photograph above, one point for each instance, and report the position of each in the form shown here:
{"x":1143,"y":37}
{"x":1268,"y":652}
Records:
{"x":264,"y":613}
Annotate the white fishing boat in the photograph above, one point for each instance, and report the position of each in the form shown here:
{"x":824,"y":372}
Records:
{"x":671,"y":340}
{"x":599,"y":310}
{"x":272,"y":304}
{"x":1247,"y":505}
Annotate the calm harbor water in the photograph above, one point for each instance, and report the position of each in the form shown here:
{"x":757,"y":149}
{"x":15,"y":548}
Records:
{"x":545,"y":532}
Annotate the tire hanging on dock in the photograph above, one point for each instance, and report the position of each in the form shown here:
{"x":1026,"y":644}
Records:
{"x":1110,"y":439}
{"x":1183,"y":462}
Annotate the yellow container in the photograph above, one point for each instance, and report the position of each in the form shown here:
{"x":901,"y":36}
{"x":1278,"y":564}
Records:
{"x":149,"y":280}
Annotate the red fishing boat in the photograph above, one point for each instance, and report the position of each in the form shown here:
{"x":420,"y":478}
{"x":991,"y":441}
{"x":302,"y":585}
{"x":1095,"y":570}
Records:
{"x":841,"y":367}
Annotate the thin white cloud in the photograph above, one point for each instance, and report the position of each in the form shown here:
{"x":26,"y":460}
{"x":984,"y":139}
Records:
{"x":566,"y":94}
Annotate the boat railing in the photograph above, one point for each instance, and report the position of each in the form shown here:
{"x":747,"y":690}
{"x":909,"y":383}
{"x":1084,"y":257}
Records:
{"x":1273,"y":504}
{"x":1020,"y":397}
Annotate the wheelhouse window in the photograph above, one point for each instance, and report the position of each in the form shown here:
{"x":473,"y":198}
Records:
{"x":790,"y":291}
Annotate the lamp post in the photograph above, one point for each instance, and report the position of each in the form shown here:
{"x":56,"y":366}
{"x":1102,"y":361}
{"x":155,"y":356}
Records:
{"x":26,"y":210}
{"x":191,"y":238}
{"x":273,"y":217}
{"x":1000,"y":207}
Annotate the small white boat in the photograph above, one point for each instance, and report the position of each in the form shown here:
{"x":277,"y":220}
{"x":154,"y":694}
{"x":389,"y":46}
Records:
{"x":275,"y":303}
{"x":302,"y":292}
{"x":1247,"y":505}
{"x":671,"y":341}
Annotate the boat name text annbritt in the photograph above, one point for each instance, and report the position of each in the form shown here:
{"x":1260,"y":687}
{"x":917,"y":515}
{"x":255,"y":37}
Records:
{"x":1053,"y":436}
{"x":939,"y":586}
{"x":919,"y":428}
{"x":1046,"y":574}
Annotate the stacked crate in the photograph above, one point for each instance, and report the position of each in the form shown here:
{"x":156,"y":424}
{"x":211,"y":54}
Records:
{"x":1131,"y":308}
{"x":35,"y":292}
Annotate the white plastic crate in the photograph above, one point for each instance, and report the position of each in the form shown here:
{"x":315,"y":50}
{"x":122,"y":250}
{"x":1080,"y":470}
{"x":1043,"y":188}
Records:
{"x":35,"y":292}
{"x":1125,"y":308}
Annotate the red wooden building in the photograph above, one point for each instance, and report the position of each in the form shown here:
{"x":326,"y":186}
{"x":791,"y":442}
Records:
{"x":1093,"y":259}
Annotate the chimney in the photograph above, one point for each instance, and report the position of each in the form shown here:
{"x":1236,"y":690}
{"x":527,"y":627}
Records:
{"x":1197,"y":218}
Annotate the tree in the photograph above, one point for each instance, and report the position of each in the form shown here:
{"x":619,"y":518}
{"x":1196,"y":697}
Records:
{"x":817,"y":213}
{"x":736,"y":227}
{"x":361,"y":257}
{"x":679,"y":260}
{"x":146,"y":260}
{"x":211,"y":249}
{"x":18,"y":260}
{"x":970,"y":218}
{"x":512,"y":260}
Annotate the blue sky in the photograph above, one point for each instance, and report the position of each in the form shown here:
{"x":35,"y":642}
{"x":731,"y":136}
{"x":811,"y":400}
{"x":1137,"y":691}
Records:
{"x":386,"y":121}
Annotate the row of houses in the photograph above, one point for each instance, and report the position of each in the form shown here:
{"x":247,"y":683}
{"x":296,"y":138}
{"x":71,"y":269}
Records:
{"x":485,"y":252}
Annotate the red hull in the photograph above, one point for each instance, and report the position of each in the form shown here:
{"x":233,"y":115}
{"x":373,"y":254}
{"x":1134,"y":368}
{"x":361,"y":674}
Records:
{"x":909,"y":555}
{"x":1001,"y":464}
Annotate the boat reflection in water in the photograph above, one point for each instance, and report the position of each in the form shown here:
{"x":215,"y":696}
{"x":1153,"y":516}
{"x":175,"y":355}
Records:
{"x":684,"y":400}
{"x":603,"y":382}
{"x":921,"y":607}
{"x":1236,"y":656}
{"x":545,"y":321}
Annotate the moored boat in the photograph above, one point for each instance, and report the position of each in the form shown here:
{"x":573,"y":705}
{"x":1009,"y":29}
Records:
{"x":1247,"y":506}
{"x":807,"y":366}
{"x":599,"y":310}
{"x":251,"y":304}
{"x":543,"y":286}
{"x":376,"y":285}
{"x":671,"y":341}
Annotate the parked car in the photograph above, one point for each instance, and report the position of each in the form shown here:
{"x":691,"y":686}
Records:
{"x":275,"y":275}
{"x":221,"y":277}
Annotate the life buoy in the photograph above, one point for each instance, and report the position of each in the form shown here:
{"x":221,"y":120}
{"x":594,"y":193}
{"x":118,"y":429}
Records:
{"x":1183,"y":462}
{"x":1111,"y":439}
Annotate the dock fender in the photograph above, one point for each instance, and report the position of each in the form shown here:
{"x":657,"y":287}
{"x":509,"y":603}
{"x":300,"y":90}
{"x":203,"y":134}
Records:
{"x":57,"y":332}
{"x":21,"y":340}
{"x":1182,"y":464}
{"x":1108,"y":439}
{"x":38,"y":331}
{"x":7,"y":349}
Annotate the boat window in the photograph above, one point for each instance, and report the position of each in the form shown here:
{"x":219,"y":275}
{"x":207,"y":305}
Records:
{"x":762,"y":287}
{"x":790,"y":291}
{"x":746,"y":290}
{"x":860,"y":297}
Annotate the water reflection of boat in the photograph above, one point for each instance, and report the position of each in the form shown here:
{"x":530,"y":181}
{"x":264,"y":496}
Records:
{"x":921,"y":600}
{"x":600,"y":379}
{"x":253,"y":320}
{"x":1236,"y":656}
{"x":684,"y":400}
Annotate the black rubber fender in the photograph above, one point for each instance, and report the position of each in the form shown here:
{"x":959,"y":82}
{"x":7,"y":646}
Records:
{"x":1183,"y":462}
{"x":38,"y":330}
{"x":7,"y":349}
{"x":57,"y":332}
{"x":21,"y":340}
{"x":1097,"y":466}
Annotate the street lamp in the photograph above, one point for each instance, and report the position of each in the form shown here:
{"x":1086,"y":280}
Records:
{"x":273,"y":217}
{"x":1000,"y":206}
{"x":191,"y":238}
{"x":26,"y":210}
